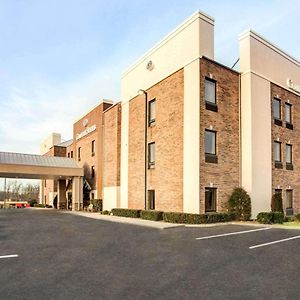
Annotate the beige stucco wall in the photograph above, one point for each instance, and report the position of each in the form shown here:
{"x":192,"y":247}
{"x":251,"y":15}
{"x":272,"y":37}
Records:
{"x":191,"y":133}
{"x":111,"y":197}
{"x":50,"y":141}
{"x":261,"y":63}
{"x":189,"y":41}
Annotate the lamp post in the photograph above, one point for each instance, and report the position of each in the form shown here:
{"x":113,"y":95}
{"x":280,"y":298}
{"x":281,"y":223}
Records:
{"x":4,"y":203}
{"x":143,"y":92}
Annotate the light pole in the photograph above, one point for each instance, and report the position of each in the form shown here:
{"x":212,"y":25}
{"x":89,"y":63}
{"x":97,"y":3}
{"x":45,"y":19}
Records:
{"x":4,"y":206}
{"x":143,"y":92}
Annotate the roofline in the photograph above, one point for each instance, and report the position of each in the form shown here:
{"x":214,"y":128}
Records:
{"x":251,"y":33}
{"x":221,"y":65}
{"x":197,"y":15}
{"x":118,"y":103}
{"x":103,"y":101}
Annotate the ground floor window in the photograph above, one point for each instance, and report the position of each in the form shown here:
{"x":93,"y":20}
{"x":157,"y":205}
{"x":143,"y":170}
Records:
{"x":210,"y":199}
{"x":289,"y":198}
{"x":151,"y":199}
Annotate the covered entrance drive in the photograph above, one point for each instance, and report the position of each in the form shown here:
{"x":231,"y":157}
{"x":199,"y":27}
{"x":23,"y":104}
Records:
{"x":17,"y":165}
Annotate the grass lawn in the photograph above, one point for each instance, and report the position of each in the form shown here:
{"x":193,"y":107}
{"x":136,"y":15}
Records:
{"x":294,"y":224}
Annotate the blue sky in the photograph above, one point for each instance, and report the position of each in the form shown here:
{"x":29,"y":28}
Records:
{"x":59,"y":58}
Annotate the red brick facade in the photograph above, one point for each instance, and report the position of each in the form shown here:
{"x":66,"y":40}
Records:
{"x":225,"y":174}
{"x":282,"y":177}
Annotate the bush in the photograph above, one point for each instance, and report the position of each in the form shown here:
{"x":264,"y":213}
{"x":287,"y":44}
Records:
{"x":48,"y":206}
{"x":184,"y":218}
{"x":32,"y":203}
{"x":105,"y":212}
{"x":124,"y":212}
{"x":97,"y":204}
{"x":297,"y":217}
{"x":276,"y":203}
{"x":270,"y":217}
{"x":239,"y":204}
{"x":39,"y":205}
{"x":153,"y":215}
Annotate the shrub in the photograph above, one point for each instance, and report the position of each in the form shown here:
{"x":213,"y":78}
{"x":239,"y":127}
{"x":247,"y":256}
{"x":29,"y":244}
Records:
{"x":270,"y":217}
{"x":32,"y":203}
{"x":184,"y":218}
{"x":48,"y":206}
{"x":239,"y":204}
{"x":105,"y":212}
{"x":97,"y":204}
{"x":39,"y":205}
{"x":276,"y":202}
{"x":153,"y":215}
{"x":297,"y":217}
{"x":124,"y":212}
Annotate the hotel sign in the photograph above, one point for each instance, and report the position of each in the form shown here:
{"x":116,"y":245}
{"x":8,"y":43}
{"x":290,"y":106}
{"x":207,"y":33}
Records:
{"x":293,"y":86}
{"x":86,"y":132}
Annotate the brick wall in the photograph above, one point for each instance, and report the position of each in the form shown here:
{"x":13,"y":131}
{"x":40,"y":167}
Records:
{"x":225,"y":174}
{"x":167,"y":133}
{"x":283,"y":178}
{"x":112,"y":146}
{"x":88,"y":160}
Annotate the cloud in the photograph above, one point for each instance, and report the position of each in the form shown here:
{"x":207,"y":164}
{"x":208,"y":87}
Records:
{"x":30,"y":114}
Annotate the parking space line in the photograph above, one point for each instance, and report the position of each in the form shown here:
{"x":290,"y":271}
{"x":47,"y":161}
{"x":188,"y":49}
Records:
{"x":232,"y":233}
{"x":9,"y":256}
{"x":275,"y":242}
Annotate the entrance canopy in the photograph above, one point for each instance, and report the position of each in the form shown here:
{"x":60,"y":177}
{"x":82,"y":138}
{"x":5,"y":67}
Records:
{"x":18,"y":165}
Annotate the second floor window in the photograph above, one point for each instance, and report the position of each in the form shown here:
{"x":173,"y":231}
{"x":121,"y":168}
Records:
{"x":277,"y":152}
{"x":93,"y":171}
{"x":210,"y":142}
{"x":288,"y":154}
{"x":152,"y":107}
{"x":93,"y":147}
{"x":79,"y":153}
{"x":71,"y":154}
{"x":151,"y":155}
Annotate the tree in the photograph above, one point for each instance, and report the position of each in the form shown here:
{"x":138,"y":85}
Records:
{"x":239,"y":204}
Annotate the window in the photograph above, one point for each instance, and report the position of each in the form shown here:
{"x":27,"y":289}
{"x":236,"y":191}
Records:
{"x":277,"y":111}
{"x":71,"y":154}
{"x":288,"y":153}
{"x":93,"y":148}
{"x":151,"y":199}
{"x":288,"y":116}
{"x":93,"y":171}
{"x":288,"y":113}
{"x":151,"y":155}
{"x":152,"y":106}
{"x":277,"y":151}
{"x":289,"y":156}
{"x":210,"y":146}
{"x":210,"y":199}
{"x":278,"y":191}
{"x":289,"y":198}
{"x":210,"y":91}
{"x":79,"y":153}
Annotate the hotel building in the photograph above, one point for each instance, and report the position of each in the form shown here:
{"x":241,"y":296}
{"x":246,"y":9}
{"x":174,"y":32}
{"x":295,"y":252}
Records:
{"x":189,"y":130}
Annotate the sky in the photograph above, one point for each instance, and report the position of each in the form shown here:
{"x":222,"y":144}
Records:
{"x":58,"y":59}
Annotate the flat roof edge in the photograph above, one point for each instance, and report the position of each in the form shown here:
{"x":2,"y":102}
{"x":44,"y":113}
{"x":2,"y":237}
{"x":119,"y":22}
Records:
{"x":261,"y":39}
{"x":197,"y":15}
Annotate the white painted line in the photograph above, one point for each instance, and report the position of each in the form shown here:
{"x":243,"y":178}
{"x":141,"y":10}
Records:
{"x":232,"y":233}
{"x":275,"y":242}
{"x":9,"y":256}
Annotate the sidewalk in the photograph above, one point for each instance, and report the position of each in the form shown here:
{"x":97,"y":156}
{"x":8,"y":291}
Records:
{"x":132,"y":221}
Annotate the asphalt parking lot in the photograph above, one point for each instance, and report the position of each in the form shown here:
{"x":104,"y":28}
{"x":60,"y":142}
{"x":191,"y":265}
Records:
{"x":62,"y":256}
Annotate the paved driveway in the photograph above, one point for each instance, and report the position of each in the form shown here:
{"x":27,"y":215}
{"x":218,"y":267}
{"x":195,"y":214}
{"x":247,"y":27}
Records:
{"x":63,"y":256}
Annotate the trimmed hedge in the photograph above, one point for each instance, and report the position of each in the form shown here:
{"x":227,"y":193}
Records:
{"x":297,"y":217}
{"x":152,"y":215}
{"x":124,"y":212}
{"x":184,"y":218}
{"x":39,"y":205}
{"x":270,"y":217}
{"x":104,"y":212}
